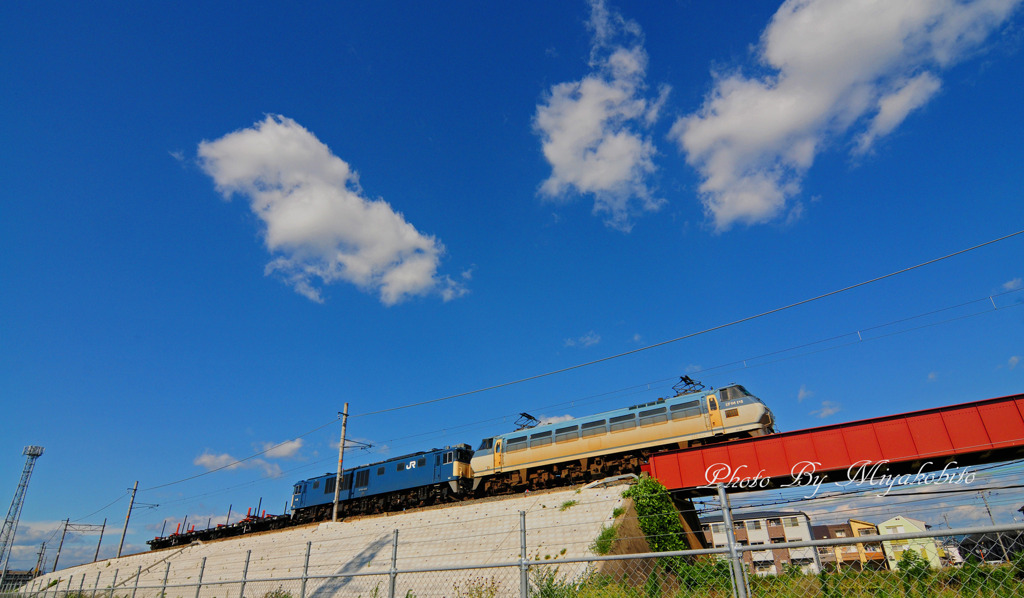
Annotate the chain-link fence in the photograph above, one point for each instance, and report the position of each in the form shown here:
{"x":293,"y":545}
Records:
{"x":971,"y":562}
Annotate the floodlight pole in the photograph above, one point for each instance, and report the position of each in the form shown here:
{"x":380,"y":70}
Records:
{"x":341,"y":455}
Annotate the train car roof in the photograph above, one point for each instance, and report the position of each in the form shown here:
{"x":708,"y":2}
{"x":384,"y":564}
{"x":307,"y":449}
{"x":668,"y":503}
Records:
{"x":614,"y":412}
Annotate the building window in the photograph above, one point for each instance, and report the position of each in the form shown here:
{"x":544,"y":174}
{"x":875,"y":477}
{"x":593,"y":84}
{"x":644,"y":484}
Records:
{"x":754,"y":524}
{"x":790,"y":522}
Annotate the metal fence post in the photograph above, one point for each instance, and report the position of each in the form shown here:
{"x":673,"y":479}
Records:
{"x":163,"y":589}
{"x":393,"y":574}
{"x":68,"y":591}
{"x":81,"y":584}
{"x":113,"y":583}
{"x":739,"y":583}
{"x":245,"y":574}
{"x":199,"y":583}
{"x":138,"y":574}
{"x":524,"y":565}
{"x":305,"y":570}
{"x":97,"y":585}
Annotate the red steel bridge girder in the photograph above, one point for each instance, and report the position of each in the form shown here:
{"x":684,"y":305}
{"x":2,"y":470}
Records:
{"x":967,"y":434}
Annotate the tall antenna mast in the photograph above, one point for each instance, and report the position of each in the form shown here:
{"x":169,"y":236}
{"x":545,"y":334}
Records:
{"x":14,"y":513}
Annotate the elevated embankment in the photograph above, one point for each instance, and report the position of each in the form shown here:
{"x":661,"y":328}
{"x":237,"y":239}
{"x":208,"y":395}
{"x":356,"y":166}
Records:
{"x":560,"y":525}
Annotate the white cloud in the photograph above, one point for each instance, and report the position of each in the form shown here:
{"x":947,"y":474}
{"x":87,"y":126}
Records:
{"x":282,"y":450}
{"x":212,"y":462}
{"x":317,"y":224}
{"x":1013,"y":361}
{"x":803,"y":393}
{"x":589,"y":339}
{"x":1013,"y":285}
{"x":832,"y":67}
{"x":557,"y":419}
{"x":593,"y":131}
{"x":827,"y":408}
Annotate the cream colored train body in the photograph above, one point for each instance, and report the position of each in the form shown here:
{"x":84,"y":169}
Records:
{"x":615,"y":442}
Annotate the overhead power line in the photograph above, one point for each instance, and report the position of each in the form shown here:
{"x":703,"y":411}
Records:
{"x":692,"y":334}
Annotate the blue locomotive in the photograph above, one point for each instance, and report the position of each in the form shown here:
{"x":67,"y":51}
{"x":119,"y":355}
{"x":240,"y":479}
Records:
{"x":411,"y":480}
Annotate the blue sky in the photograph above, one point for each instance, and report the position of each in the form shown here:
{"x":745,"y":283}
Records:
{"x":223,"y":221}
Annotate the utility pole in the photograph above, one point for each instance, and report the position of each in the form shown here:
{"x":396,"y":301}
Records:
{"x":341,"y":456}
{"x":102,"y":529}
{"x":999,"y":536}
{"x":61,"y":545}
{"x":131,"y":503}
{"x":14,"y":513}
{"x":41,"y":561}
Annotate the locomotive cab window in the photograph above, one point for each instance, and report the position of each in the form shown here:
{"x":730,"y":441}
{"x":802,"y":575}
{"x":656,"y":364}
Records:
{"x":447,"y":457}
{"x":298,"y":489}
{"x":486,"y":444}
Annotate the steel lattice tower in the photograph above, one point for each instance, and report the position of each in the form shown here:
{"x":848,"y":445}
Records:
{"x":14,"y":513}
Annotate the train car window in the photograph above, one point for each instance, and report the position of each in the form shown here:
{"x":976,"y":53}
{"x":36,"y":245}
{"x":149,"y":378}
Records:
{"x":487,"y":443}
{"x":653,"y":416}
{"x":732,"y":412}
{"x":623,"y":422}
{"x":363,"y":478}
{"x":685,"y":410}
{"x":316,"y":484}
{"x":540,"y":439}
{"x":463,"y":456}
{"x":447,"y":458}
{"x":298,"y":489}
{"x":401,"y":466}
{"x":380,"y":471}
{"x":421,"y":462}
{"x":712,"y":405}
{"x":593,"y":428}
{"x":515,"y":444}
{"x":346,"y":481}
{"x":566,"y":434}
{"x":329,"y":485}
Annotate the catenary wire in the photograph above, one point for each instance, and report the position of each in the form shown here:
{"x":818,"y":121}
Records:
{"x":692,"y":334}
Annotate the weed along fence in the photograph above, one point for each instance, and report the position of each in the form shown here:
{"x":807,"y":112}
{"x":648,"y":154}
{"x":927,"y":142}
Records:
{"x":591,"y":543}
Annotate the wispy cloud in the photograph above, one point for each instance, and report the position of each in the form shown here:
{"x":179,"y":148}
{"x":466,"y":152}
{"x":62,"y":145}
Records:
{"x":1013,"y":361}
{"x":318,"y":226}
{"x":211,"y":461}
{"x":556,"y":419}
{"x":589,"y":339}
{"x":827,"y":408}
{"x":594,"y":132}
{"x":830,"y":68}
{"x":803,"y":393}
{"x":282,"y":450}
{"x":1013,"y":285}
